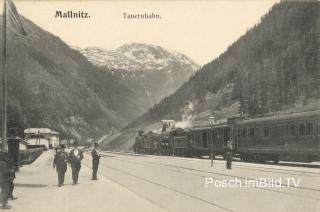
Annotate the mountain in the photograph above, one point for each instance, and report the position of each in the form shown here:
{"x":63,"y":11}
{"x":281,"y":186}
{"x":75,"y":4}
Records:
{"x":152,"y":72}
{"x":51,"y":85}
{"x":134,"y":57}
{"x":273,"y":68}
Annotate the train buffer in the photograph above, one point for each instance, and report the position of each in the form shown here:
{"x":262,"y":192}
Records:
{"x":37,"y":190}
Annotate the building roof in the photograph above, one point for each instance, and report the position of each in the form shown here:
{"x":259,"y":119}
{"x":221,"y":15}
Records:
{"x":40,"y":130}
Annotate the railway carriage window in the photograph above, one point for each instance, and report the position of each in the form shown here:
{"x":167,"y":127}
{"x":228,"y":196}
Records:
{"x":239,"y":132}
{"x":244,"y":132}
{"x":309,"y":130}
{"x":226,"y":133}
{"x":215,"y":135}
{"x":287,"y":130}
{"x":251,"y":132}
{"x":302,"y":129}
{"x":266,"y":131}
{"x":292,"y":130}
{"x":204,"y":139}
{"x":274,"y":130}
{"x":281,"y":130}
{"x":257,"y":131}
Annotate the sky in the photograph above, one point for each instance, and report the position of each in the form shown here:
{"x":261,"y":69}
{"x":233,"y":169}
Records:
{"x":202,"y":30}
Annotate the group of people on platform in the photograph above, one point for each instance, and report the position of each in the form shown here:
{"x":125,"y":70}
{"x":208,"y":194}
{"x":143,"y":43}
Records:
{"x":62,"y":158}
{"x":9,"y":165}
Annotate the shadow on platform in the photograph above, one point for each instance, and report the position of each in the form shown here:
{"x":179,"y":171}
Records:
{"x":30,"y":185}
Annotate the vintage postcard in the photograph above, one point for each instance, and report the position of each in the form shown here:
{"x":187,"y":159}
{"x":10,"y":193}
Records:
{"x":160,"y":106}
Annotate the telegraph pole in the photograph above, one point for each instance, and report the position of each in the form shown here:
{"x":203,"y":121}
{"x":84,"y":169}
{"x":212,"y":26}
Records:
{"x":4,"y":80}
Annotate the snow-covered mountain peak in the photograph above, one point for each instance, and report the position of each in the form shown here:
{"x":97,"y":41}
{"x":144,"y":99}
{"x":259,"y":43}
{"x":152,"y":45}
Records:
{"x":134,"y":57}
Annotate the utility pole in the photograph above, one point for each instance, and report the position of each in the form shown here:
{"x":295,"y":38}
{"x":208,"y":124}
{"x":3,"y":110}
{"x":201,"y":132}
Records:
{"x":4,"y":80}
{"x":211,"y":121}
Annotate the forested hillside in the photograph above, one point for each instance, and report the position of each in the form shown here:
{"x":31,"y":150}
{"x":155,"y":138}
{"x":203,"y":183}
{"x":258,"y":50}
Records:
{"x":274,"y":66}
{"x":51,"y":85}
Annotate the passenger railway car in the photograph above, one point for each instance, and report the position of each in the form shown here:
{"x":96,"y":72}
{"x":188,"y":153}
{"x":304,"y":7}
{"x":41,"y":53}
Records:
{"x":293,"y":137}
{"x":203,"y":137}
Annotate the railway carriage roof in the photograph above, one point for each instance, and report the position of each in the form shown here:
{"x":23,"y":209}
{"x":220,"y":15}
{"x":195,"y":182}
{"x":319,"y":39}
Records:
{"x":293,"y":116}
{"x":208,"y":127}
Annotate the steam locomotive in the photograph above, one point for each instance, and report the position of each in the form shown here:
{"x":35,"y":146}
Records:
{"x":291,"y":137}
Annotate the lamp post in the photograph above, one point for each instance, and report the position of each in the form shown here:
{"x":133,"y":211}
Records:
{"x":211,"y":121}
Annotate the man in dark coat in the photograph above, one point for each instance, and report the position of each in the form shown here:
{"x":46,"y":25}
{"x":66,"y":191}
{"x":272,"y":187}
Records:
{"x":14,"y":155}
{"x":75,"y":157}
{"x":60,"y":163}
{"x":7,"y":175}
{"x":95,"y":161}
{"x":229,"y":148}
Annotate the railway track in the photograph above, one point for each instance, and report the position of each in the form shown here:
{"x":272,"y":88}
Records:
{"x":247,"y":166}
{"x":128,"y":172}
{"x":157,"y":164}
{"x":171,"y":189}
{"x":269,"y":169}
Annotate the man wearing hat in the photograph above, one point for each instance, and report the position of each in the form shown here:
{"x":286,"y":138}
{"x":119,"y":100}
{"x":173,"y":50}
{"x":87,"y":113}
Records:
{"x":60,"y":163}
{"x":95,"y":161}
{"x":7,"y":169}
{"x":229,"y":148}
{"x":14,"y":157}
{"x":75,"y":157}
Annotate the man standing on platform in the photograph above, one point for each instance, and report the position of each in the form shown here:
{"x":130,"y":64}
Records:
{"x":75,"y":158}
{"x":7,"y":169}
{"x":229,"y":148}
{"x":14,"y":152}
{"x":60,"y":163}
{"x":95,"y":161}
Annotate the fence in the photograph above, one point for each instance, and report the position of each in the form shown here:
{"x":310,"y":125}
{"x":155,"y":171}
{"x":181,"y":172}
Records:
{"x":30,"y":155}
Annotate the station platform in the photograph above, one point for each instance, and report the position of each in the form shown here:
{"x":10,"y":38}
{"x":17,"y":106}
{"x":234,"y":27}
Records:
{"x":37,"y":190}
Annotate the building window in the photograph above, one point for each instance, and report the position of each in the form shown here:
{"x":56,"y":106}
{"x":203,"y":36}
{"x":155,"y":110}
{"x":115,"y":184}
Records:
{"x":309,"y":128}
{"x":266,"y":131}
{"x":281,"y":130}
{"x":302,"y":129}
{"x":204,"y":139}
{"x":244,"y":132}
{"x":251,"y":132}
